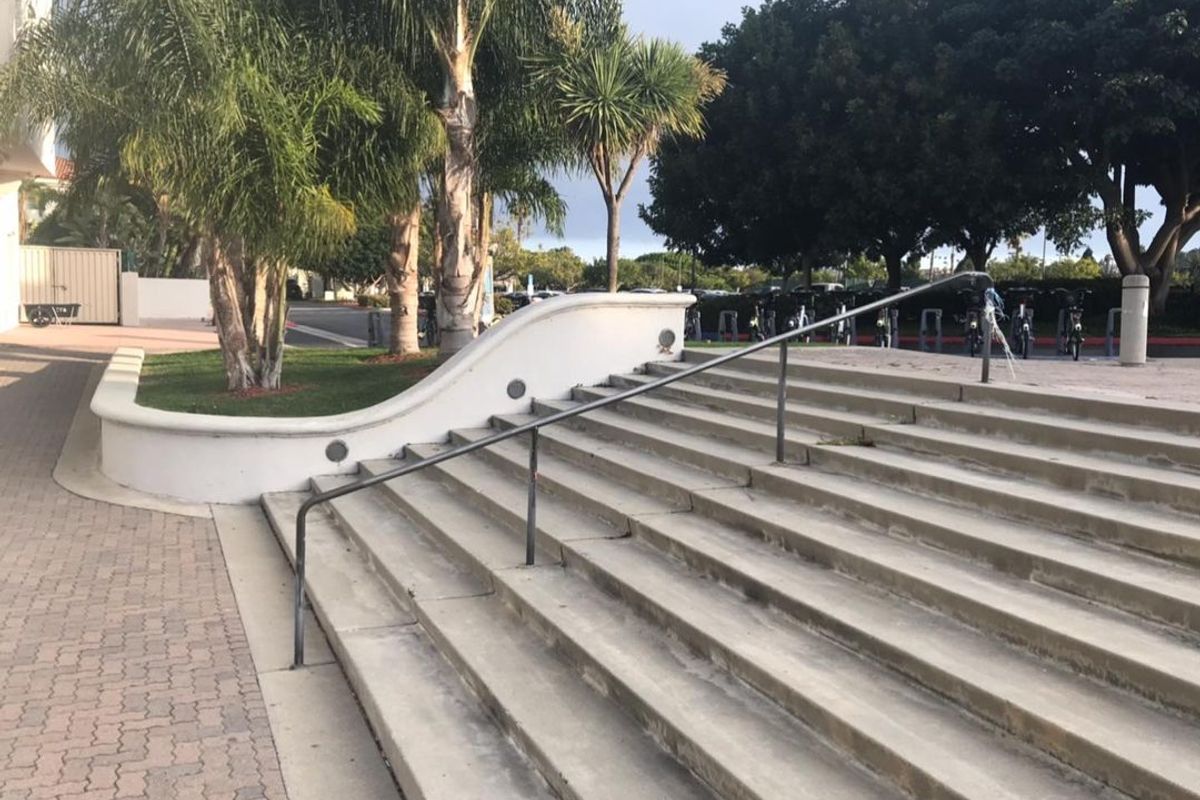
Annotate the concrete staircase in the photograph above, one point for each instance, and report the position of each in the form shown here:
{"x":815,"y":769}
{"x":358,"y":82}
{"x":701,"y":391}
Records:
{"x":948,"y":592}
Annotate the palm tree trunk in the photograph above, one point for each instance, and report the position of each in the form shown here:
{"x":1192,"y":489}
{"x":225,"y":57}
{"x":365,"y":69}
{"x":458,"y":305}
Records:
{"x":225,"y":292}
{"x":614,"y":243}
{"x":402,"y":280}
{"x":459,"y":283}
{"x":273,"y":325}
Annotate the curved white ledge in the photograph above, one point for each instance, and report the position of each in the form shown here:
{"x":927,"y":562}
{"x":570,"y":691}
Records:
{"x":552,"y":346}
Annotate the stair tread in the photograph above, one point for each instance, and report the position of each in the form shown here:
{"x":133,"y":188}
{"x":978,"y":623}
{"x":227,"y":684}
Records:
{"x":720,"y":448}
{"x":1087,"y":428}
{"x":420,"y":719}
{"x":568,"y":477}
{"x":1066,"y":615}
{"x":734,"y":424}
{"x":979,"y":442}
{"x":1178,"y":582}
{"x":686,"y":477}
{"x":1168,"y":579}
{"x":444,"y":739}
{"x":924,"y":732}
{"x":598,"y":752}
{"x":1139,"y":515}
{"x":1125,"y":727}
{"x":425,"y":571}
{"x":699,"y":395}
{"x":480,"y":479}
{"x":333,"y":568}
{"x":768,"y":385}
{"x":766,"y":749}
{"x":929,"y":717}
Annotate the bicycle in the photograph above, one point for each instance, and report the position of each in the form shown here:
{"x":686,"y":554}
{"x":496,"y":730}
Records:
{"x":1022,"y":321}
{"x":839,"y":332}
{"x":972,"y":320}
{"x":800,"y":316}
{"x":762,"y":323}
{"x":1071,"y":313}
{"x":691,"y":326}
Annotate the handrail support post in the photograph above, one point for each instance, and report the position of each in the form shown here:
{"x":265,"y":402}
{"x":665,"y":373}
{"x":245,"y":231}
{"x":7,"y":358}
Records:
{"x":531,"y":511}
{"x":298,"y":607}
{"x":987,"y":348}
{"x":781,"y":402}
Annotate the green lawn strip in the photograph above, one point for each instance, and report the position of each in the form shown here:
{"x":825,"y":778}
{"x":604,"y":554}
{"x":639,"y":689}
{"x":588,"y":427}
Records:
{"x":315,"y":383}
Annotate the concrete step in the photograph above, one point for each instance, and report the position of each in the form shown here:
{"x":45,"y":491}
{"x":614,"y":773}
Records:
{"x":1145,"y":414}
{"x":654,"y":474}
{"x":740,"y":744}
{"x":835,"y":423}
{"x":1154,"y":662}
{"x":695,"y":450}
{"x":430,"y":714}
{"x":1105,"y":644}
{"x":1177,"y":418}
{"x":1150,"y":587}
{"x":1140,"y":483}
{"x":592,"y":752}
{"x":891,"y":382}
{"x":1113,"y":438}
{"x":1152,"y":529}
{"x":857,"y":400}
{"x":926,"y":746}
{"x":740,"y":431}
{"x":592,"y":491}
{"x":1125,"y":742}
{"x":1161,"y":448}
{"x":1077,"y":472}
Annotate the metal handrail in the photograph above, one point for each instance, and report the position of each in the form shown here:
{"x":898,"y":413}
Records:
{"x":536,"y":425}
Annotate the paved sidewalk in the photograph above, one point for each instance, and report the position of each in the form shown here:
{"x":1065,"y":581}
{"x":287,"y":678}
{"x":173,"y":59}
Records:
{"x":124,"y":667}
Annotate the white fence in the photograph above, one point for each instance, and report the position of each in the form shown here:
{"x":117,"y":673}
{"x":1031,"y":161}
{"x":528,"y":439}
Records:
{"x":72,"y":275}
{"x":145,"y":300}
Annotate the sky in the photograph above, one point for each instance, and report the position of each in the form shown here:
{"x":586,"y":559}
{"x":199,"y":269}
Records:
{"x":691,"y":23}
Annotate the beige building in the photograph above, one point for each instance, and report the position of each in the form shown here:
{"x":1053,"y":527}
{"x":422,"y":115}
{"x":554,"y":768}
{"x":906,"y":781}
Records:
{"x":31,"y":157}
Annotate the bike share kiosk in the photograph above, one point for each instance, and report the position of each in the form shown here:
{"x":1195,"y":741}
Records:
{"x":931,"y":319}
{"x":1110,"y":333}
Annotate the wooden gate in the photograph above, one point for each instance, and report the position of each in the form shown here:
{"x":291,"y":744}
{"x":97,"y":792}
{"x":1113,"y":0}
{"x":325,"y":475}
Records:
{"x":73,"y":275}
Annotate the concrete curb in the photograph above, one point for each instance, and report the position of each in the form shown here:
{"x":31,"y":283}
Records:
{"x":78,"y":466}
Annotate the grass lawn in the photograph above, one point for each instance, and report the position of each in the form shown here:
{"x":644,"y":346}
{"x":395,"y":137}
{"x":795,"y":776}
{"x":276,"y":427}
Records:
{"x":315,"y":383}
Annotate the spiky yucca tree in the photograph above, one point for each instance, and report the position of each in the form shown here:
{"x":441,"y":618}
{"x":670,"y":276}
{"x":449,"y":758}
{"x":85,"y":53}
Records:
{"x":617,"y":97}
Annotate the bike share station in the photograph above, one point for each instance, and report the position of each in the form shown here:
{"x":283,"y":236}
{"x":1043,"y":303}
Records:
{"x":833,"y":317}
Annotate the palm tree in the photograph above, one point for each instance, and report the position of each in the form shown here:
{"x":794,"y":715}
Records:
{"x":617,"y":97}
{"x":220,"y":106}
{"x":443,"y":40}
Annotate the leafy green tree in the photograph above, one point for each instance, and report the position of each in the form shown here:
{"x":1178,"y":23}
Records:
{"x":1117,"y":86}
{"x":756,"y":189}
{"x":617,"y":97}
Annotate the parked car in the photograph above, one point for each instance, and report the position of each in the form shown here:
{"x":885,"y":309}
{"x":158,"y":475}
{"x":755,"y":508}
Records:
{"x":294,"y":292}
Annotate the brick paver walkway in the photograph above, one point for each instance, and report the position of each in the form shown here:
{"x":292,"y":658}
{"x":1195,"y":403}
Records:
{"x":124,"y":669}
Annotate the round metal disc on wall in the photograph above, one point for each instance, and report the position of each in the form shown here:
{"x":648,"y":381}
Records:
{"x":516,"y":389}
{"x":336,"y":451}
{"x":666,"y":339}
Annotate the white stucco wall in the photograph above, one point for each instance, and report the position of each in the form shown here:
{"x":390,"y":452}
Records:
{"x":144,"y":300}
{"x":552,"y":346}
{"x":10,"y":255}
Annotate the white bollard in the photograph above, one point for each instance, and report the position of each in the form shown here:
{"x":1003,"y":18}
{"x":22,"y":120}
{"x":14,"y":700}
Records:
{"x":1135,"y":315}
